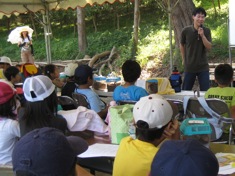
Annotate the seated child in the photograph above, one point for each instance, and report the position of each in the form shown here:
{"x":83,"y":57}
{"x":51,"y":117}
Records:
{"x":28,"y":70}
{"x":84,"y":79}
{"x":70,"y":84}
{"x":40,"y":107}
{"x":153,"y":118}
{"x":52,"y":72}
{"x":187,"y":157}
{"x":47,"y":151}
{"x":12,"y":74}
{"x":223,"y":77}
{"x":9,"y":126}
{"x":129,"y":91}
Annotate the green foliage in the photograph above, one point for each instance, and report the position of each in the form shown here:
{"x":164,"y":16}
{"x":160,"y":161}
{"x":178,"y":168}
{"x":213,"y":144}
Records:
{"x":153,"y":33}
{"x":208,"y":4}
{"x":153,"y":47}
{"x":102,"y":41}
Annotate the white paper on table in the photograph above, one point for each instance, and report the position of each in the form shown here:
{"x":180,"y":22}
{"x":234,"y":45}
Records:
{"x":100,"y":150}
{"x":226,"y":162}
{"x":140,"y":83}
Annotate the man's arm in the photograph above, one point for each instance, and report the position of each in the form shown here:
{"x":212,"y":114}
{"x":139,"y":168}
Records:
{"x":205,"y":40}
{"x":206,"y":43}
{"x":182,"y":51}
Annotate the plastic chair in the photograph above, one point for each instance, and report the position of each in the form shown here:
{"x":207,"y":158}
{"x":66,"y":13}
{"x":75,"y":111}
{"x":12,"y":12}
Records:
{"x":67,"y":102}
{"x":126,"y":102}
{"x":180,"y":107}
{"x":217,"y":108}
{"x":81,"y":100}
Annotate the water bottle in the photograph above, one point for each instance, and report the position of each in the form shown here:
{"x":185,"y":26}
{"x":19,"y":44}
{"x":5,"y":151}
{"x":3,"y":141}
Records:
{"x":132,"y":130}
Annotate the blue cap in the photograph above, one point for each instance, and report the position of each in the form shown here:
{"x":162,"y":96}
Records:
{"x":47,"y":151}
{"x":184,"y":158}
{"x":113,"y":79}
{"x":82,"y":72}
{"x":99,"y":78}
{"x":152,"y":80}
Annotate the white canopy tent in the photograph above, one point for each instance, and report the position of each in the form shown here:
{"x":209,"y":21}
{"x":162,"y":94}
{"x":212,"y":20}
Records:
{"x":8,"y":7}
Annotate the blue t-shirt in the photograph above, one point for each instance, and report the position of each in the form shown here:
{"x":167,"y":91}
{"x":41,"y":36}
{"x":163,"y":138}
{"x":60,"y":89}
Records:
{"x":130,"y":93}
{"x":93,"y":99}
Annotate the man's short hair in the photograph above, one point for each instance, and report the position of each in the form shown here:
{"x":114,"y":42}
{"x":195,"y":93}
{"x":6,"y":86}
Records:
{"x":224,"y":74}
{"x":199,"y":10}
{"x":131,"y":71}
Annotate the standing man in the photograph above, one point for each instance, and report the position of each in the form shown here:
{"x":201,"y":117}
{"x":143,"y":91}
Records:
{"x":194,"y":43}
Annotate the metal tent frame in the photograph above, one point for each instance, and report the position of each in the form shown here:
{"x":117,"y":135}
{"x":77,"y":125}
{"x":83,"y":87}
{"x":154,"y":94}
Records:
{"x":9,"y":7}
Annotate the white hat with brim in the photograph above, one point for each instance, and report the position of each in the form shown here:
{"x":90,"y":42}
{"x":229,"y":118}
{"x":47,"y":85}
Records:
{"x":5,"y":59}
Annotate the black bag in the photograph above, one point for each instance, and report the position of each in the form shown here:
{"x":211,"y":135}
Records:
{"x":175,"y":80}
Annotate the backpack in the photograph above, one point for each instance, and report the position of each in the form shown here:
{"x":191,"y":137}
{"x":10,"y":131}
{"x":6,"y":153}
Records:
{"x":176,"y":81}
{"x":27,"y":70}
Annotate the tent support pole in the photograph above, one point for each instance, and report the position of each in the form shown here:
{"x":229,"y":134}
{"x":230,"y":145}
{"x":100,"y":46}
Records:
{"x":47,"y":35}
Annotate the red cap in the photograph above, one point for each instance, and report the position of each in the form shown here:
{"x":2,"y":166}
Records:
{"x":6,"y":92}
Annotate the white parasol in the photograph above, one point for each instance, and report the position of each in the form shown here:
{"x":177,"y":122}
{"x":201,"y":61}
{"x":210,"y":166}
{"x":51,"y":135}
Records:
{"x":14,"y":37}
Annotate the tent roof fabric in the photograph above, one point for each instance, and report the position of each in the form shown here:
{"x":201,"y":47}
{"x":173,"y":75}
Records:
{"x":11,"y":6}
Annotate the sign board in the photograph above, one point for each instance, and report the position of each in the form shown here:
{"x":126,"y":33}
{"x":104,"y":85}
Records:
{"x":231,"y":23}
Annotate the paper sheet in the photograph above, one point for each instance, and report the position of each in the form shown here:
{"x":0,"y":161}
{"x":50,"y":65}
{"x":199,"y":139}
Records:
{"x":226,"y":163}
{"x":100,"y":150}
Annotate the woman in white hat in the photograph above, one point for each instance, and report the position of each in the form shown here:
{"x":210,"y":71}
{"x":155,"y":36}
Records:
{"x":26,"y":47}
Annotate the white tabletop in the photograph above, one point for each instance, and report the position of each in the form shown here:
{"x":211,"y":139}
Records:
{"x":182,"y":94}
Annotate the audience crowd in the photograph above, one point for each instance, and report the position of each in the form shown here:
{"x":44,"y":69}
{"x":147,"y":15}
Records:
{"x":34,"y":138}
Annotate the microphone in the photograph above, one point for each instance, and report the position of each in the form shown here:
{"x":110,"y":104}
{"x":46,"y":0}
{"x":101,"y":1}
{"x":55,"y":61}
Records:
{"x":198,"y":37}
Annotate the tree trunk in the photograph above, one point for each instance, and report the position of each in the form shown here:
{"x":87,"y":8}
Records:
{"x":136,"y":27}
{"x":82,"y":42}
{"x":181,"y":17}
{"x":94,"y":22}
{"x":118,"y":22}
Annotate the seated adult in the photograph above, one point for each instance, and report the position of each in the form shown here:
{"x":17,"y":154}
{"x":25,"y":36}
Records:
{"x":84,"y":79}
{"x":41,"y":106}
{"x":153,"y":118}
{"x":131,"y":71}
{"x":70,"y":84}
{"x":178,"y":158}
{"x":47,"y":151}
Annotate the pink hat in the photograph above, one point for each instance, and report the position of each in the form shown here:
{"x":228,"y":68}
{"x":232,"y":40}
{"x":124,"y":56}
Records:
{"x":6,"y":92}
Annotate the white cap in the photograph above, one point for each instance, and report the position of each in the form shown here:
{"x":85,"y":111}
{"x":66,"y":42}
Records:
{"x":69,"y":69}
{"x":5,"y":59}
{"x":38,"y":88}
{"x":154,"y":110}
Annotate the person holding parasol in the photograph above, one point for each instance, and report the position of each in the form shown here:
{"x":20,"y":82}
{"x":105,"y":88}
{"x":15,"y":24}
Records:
{"x":27,"y":55}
